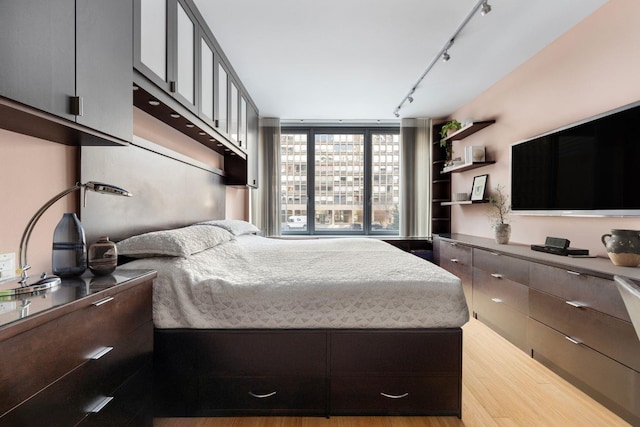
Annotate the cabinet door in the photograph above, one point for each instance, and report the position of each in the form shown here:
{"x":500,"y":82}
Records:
{"x":151,"y":49}
{"x":185,"y":57}
{"x":242,"y":125}
{"x":103,"y":66}
{"x":233,"y":113}
{"x":253,"y":127}
{"x":222,"y":98}
{"x":207,"y":65}
{"x":37,"y":39}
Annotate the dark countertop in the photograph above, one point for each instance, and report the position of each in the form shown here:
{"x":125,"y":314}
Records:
{"x":599,"y":266}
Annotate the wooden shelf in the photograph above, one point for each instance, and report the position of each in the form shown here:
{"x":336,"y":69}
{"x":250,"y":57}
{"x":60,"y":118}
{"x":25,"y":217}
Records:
{"x":468,"y":130}
{"x":465,"y":167}
{"x":464,"y":202}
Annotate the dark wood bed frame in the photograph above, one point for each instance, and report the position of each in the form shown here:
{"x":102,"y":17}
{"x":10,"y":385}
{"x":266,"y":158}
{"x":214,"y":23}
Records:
{"x":314,"y":372}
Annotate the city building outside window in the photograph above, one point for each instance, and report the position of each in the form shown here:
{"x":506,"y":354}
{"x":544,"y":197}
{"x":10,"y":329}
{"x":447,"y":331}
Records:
{"x":340,"y":181}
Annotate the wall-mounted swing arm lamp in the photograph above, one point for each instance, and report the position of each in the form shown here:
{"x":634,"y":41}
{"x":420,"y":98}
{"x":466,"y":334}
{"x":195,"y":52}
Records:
{"x":485,"y":8}
{"x":53,"y":281}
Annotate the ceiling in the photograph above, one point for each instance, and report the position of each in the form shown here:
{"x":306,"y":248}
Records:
{"x":357,"y":60}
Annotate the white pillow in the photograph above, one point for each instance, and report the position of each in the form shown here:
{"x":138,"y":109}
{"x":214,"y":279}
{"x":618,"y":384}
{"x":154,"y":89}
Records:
{"x":179,"y":242}
{"x":237,"y":227}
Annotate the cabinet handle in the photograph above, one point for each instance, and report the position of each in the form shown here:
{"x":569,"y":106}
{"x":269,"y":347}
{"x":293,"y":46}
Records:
{"x":262,"y":396}
{"x":102,"y":301}
{"x":575,"y":273}
{"x":574,"y":304}
{"x":172,"y":87}
{"x":101,"y":403}
{"x":454,"y":260}
{"x":394,"y":396}
{"x":498,"y":300}
{"x":98,"y":354}
{"x":497,"y":275}
{"x":573,"y":341}
{"x":76,"y":105}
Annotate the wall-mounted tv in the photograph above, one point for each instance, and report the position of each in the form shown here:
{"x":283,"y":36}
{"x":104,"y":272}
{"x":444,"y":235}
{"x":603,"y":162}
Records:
{"x":591,"y":168}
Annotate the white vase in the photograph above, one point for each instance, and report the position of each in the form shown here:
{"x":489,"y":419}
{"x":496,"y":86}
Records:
{"x":503,"y":233}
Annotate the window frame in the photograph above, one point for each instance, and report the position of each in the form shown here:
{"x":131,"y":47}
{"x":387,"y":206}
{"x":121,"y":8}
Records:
{"x":311,"y":132}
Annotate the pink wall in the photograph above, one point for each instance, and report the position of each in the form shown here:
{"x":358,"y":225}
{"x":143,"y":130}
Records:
{"x":32,"y":171}
{"x":591,"y":69}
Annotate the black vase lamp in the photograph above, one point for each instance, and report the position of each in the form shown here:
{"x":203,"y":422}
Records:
{"x":47,"y":282}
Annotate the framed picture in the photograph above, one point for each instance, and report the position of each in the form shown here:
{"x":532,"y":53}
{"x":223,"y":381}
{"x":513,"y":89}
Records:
{"x":479,"y":185}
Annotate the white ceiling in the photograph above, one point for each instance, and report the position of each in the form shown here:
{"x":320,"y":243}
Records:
{"x":356,"y":60}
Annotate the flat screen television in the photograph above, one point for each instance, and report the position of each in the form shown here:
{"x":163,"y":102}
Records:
{"x":591,"y":168}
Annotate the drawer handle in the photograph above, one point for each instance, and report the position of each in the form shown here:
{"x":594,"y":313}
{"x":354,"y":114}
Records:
{"x":101,"y":403}
{"x":394,"y":396}
{"x":454,"y":260}
{"x":575,"y":273}
{"x":453,"y":243}
{"x":574,"y":304}
{"x":102,"y":301}
{"x":98,"y":354}
{"x":497,"y":275}
{"x":498,"y":300}
{"x":495,"y":253}
{"x":262,"y":396}
{"x":573,"y":341}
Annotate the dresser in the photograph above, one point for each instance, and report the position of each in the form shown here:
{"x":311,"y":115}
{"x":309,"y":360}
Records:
{"x":79,"y":354}
{"x":565,"y":312}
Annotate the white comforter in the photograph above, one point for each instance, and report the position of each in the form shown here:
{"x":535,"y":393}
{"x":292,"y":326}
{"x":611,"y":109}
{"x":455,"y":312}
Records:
{"x":256,"y":282}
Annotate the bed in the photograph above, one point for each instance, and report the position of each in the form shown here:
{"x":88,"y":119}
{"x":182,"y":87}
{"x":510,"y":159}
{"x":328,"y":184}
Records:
{"x":248,"y":325}
{"x":251,"y":325}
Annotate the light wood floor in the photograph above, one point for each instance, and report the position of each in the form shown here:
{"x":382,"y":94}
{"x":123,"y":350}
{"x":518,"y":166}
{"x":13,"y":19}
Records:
{"x":501,"y":386}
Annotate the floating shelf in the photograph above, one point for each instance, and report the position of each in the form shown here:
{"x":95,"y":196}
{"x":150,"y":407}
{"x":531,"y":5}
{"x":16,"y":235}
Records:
{"x":466,"y":167}
{"x":464,"y":202}
{"x":469,"y":129}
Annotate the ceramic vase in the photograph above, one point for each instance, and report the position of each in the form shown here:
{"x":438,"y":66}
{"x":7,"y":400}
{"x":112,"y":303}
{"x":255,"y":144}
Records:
{"x":502,"y":233}
{"x":623,"y":247}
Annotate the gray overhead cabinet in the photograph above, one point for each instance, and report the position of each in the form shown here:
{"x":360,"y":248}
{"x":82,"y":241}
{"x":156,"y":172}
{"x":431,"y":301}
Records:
{"x":183,"y":78}
{"x":66,"y":73}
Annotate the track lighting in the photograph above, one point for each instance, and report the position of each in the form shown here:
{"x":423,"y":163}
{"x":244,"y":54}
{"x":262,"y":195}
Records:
{"x":486,"y":8}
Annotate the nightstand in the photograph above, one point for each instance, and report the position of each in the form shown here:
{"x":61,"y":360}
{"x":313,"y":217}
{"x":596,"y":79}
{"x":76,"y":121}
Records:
{"x":79,"y":354}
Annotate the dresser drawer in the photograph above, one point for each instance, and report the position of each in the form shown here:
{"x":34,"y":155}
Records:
{"x":247,"y":354}
{"x":434,"y":395}
{"x":71,"y":398}
{"x":508,"y":322}
{"x":457,"y":259}
{"x":262,"y":395}
{"x":505,"y":266}
{"x":502,"y":290}
{"x":455,"y":256}
{"x":606,"y":380}
{"x":586,"y":290}
{"x":606,"y":334}
{"x":351,"y":352}
{"x":80,"y":333}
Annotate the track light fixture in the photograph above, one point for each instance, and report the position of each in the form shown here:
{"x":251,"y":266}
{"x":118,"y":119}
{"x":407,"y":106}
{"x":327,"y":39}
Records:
{"x":484,"y":8}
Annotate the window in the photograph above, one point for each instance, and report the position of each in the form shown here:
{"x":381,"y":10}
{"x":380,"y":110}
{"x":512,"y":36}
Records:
{"x":340,"y":181}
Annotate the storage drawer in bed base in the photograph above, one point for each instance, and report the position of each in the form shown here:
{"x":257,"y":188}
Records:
{"x":193,"y":378}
